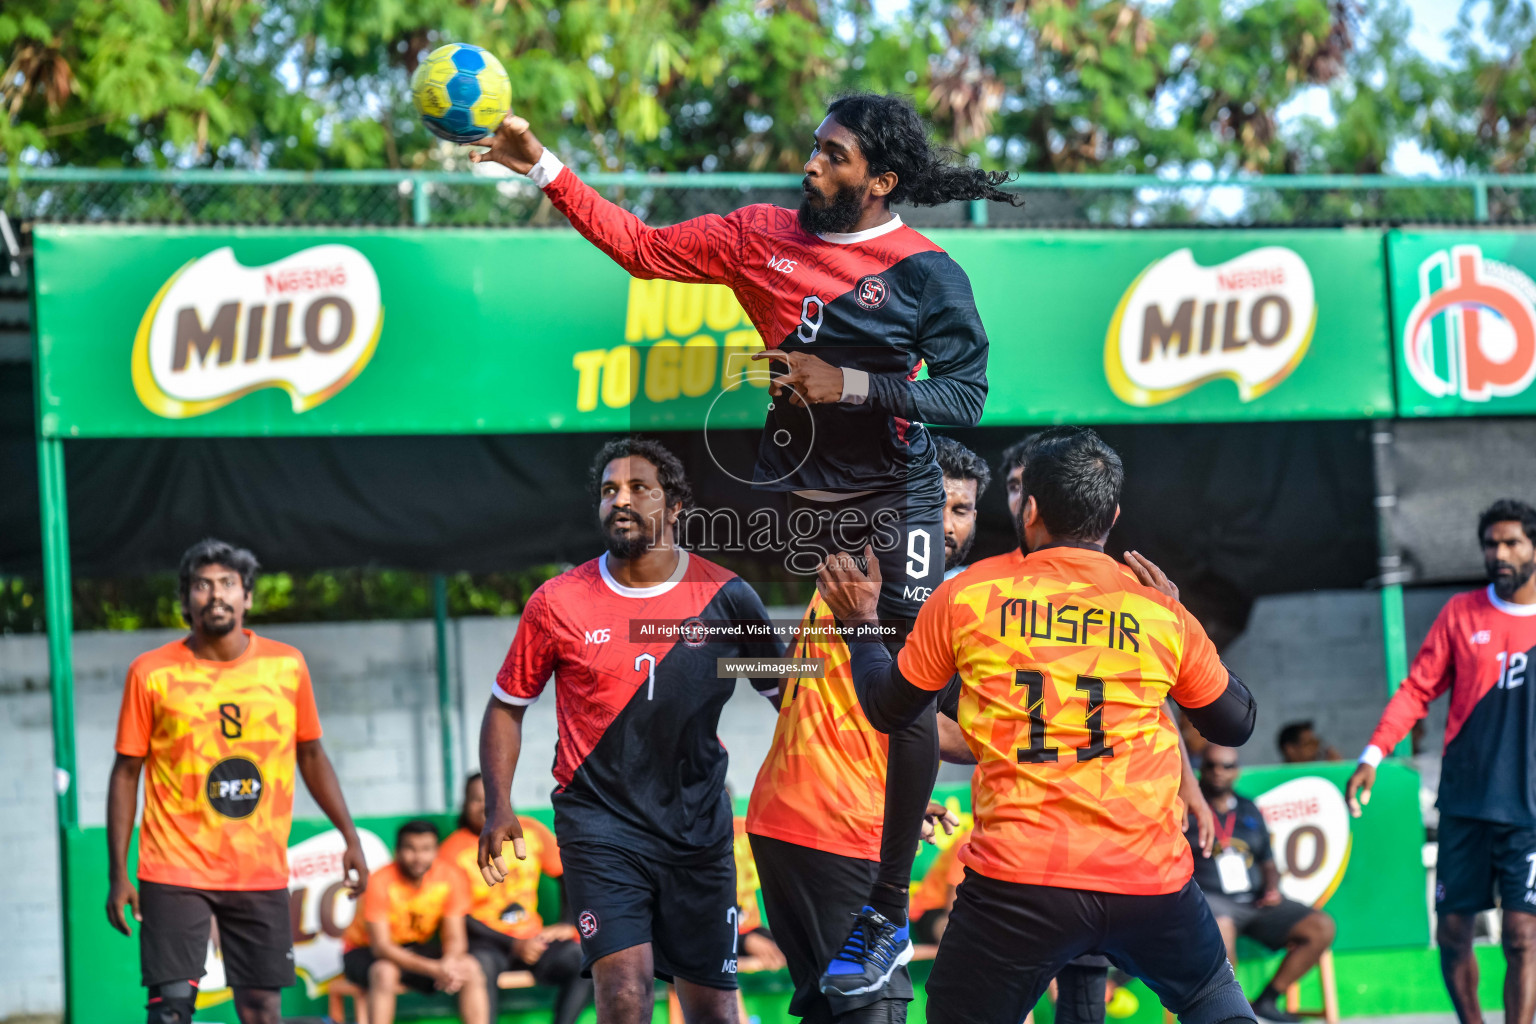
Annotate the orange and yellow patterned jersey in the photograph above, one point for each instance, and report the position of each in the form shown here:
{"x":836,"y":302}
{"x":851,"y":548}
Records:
{"x":512,"y":907}
{"x":822,"y":784}
{"x":1065,"y":662}
{"x":219,"y":742}
{"x":748,"y":917}
{"x":413,"y":910}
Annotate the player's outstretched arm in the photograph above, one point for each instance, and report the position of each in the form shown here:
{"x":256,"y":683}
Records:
{"x":320,"y":776}
{"x":702,"y":250}
{"x":122,"y":804}
{"x":1431,"y":674}
{"x":501,"y":741}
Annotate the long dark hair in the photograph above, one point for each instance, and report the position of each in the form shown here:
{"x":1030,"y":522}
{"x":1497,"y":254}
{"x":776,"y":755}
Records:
{"x":893,"y":137}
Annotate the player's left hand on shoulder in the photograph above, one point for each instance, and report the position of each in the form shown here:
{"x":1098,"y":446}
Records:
{"x":807,"y":379}
{"x":1149,"y":575}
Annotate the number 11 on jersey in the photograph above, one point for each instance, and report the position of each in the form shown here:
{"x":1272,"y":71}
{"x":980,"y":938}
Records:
{"x":649,"y":661}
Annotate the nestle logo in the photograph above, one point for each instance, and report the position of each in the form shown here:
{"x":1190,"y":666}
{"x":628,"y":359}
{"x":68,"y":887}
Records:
{"x":305,"y":279}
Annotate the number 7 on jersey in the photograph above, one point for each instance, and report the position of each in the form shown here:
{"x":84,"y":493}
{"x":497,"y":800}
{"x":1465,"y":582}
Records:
{"x":649,"y":660}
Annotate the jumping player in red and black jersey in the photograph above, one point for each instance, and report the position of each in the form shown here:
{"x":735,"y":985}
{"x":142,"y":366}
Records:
{"x":1482,"y":648}
{"x":641,"y":813}
{"x":850,"y":303}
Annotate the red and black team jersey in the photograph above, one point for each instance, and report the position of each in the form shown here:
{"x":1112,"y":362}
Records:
{"x":882,"y":301}
{"x":1483,"y":650}
{"x":637,"y":760}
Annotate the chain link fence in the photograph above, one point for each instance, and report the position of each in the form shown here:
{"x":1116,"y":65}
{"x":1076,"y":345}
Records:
{"x":472,"y":200}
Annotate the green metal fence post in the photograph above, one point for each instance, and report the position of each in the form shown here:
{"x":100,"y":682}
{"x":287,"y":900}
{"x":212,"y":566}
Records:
{"x":1480,"y":200}
{"x":444,"y":689}
{"x":978,"y":213}
{"x":1394,"y":631}
{"x":61,"y":673}
{"x":421,"y":200}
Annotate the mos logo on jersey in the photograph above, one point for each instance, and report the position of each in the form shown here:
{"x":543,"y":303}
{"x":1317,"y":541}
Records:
{"x":1472,"y":331}
{"x":234,"y":787}
{"x":1180,"y":325}
{"x":216,"y":330}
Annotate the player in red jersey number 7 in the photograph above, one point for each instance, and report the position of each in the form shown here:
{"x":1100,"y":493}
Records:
{"x":850,"y":302}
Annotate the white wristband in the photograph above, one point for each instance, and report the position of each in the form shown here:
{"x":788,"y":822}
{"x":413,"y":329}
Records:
{"x":546,"y":170}
{"x":855,"y":386}
{"x":1371,"y":755}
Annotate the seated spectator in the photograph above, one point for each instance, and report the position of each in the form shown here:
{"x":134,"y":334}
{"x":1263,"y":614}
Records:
{"x":756,"y":939}
{"x":1299,"y":744}
{"x":410,"y":931}
{"x":1241,"y":882}
{"x":504,"y":926}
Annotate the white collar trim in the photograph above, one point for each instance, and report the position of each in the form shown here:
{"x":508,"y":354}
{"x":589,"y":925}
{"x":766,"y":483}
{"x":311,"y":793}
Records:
{"x":1524,"y":611}
{"x":660,"y":588}
{"x":848,"y":238}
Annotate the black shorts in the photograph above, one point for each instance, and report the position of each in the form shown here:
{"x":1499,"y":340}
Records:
{"x":1006,"y":941}
{"x":255,"y":935}
{"x":687,"y":912}
{"x":356,"y":962}
{"x":1269,"y":926}
{"x":1480,"y":858}
{"x":811,"y":897}
{"x":905,"y":527}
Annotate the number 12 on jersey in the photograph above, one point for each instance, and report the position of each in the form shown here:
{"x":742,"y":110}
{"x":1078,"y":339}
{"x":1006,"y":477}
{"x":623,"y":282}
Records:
{"x":1038,"y":752}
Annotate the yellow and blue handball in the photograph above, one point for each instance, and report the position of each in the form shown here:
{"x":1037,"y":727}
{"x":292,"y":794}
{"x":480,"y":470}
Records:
{"x":461,"y":92}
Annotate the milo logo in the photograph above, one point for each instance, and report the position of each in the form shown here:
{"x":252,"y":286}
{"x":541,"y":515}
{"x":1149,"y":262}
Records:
{"x":234,"y":787}
{"x":216,"y":331}
{"x":1180,"y":325}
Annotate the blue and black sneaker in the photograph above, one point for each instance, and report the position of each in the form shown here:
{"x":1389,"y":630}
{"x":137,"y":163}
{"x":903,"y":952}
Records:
{"x":875,"y":948}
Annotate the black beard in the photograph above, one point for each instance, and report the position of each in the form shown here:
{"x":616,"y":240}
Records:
{"x":625,"y":547}
{"x":840,"y":215}
{"x":1505,"y":586}
{"x":960,"y":553}
{"x":217,"y":629}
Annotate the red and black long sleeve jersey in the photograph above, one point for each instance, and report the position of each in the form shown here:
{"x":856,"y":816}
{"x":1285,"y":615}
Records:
{"x":884,"y":301}
{"x":1483,"y":650}
{"x":637,"y":758}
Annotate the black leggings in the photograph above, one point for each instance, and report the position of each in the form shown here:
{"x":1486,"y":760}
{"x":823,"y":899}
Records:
{"x":905,"y":526}
{"x":911,"y":769}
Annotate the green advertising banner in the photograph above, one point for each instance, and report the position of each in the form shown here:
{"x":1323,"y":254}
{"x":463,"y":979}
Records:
{"x":193,"y":332}
{"x":1464,"y":322}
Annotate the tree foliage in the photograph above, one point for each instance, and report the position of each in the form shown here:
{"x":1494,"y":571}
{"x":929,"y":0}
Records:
{"x":1038,"y":85}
